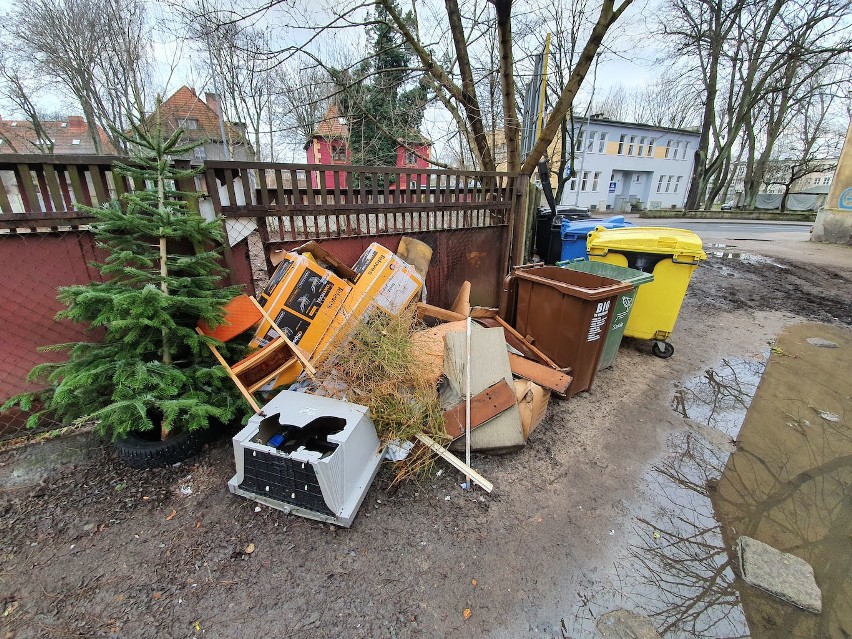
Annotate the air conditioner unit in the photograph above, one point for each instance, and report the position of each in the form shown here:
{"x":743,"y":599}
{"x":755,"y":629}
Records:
{"x":308,"y":455}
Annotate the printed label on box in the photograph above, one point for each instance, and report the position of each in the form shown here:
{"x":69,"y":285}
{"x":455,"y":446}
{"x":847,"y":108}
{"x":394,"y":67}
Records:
{"x":276,"y":278}
{"x":309,"y":294}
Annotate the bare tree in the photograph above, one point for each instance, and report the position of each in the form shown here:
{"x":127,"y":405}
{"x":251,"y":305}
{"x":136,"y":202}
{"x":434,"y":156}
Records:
{"x":97,"y":52}
{"x":745,"y":53}
{"x":19,"y":91}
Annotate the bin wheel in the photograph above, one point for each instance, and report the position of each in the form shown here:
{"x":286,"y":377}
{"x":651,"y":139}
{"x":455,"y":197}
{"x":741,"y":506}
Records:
{"x":663,"y":350}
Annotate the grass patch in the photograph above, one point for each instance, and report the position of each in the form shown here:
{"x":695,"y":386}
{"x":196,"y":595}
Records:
{"x":378,"y":368}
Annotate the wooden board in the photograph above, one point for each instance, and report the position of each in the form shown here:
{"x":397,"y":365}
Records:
{"x":555,"y":380}
{"x":516,"y":341}
{"x":489,"y":363}
{"x":456,"y":462}
{"x":427,"y":310}
{"x":483,"y":406}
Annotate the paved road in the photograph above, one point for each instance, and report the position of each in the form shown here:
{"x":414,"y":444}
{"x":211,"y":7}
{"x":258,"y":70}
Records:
{"x":735,"y":230}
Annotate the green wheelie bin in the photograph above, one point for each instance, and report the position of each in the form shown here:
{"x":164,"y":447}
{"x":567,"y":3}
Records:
{"x":623,"y":305}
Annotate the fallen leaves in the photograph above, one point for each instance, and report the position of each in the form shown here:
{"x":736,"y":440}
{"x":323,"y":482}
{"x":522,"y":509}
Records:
{"x":467,"y":613}
{"x":172,"y":516}
{"x":249,"y":549}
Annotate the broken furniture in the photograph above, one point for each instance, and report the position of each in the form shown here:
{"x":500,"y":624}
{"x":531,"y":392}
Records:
{"x":499,"y":430}
{"x":307,"y":455}
{"x":261,"y":365}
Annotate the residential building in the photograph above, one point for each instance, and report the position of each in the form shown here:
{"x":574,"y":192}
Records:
{"x":200,"y":120}
{"x":816,"y":181}
{"x":71,"y":135}
{"x":621,"y":166}
{"x":497,"y":140}
{"x":329,"y":144}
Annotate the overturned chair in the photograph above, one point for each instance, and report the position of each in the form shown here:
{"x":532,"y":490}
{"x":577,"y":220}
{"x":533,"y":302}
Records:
{"x":262,"y":365}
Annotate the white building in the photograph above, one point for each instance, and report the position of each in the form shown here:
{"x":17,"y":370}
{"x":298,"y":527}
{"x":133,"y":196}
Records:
{"x":620,"y":166}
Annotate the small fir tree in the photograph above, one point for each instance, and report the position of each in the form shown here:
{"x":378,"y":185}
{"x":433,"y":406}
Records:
{"x":161,"y":276}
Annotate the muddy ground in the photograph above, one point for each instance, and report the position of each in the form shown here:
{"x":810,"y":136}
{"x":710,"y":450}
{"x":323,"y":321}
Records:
{"x":94,"y":549}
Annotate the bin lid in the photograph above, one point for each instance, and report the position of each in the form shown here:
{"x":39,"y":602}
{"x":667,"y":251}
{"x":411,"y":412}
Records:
{"x":647,"y":239}
{"x":629,"y":275}
{"x":573,"y":229}
{"x":587,"y":286}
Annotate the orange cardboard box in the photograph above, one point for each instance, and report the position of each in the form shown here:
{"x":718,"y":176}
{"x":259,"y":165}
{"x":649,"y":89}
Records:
{"x":383,"y":282}
{"x":304,"y":299}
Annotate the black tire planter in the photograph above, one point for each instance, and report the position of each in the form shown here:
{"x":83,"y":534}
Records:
{"x":142,"y":450}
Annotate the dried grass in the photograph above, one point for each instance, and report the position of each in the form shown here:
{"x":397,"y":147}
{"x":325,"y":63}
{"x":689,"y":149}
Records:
{"x":379,"y":368}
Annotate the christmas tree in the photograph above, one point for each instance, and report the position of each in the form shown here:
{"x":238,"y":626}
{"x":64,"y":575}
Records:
{"x":151,"y":371}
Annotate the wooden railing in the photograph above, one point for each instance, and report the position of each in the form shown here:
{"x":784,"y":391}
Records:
{"x":303,"y":201}
{"x":288,"y":201}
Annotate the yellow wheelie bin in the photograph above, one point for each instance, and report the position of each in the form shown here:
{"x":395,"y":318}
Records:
{"x":671,"y":255}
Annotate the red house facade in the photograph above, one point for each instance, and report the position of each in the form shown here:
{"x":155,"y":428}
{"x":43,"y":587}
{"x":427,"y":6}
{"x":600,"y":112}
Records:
{"x":329,"y":145}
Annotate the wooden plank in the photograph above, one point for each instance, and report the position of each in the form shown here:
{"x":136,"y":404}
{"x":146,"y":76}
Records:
{"x":81,"y":195}
{"x":27,"y":188}
{"x":517,"y":341}
{"x":98,"y":183}
{"x":483,"y":406}
{"x":455,"y":462}
{"x":427,"y":310}
{"x":5,"y":206}
{"x":555,"y":380}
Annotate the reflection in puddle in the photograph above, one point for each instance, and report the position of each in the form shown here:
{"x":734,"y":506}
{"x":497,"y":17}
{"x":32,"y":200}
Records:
{"x":787,"y":483}
{"x":790,"y":482}
{"x":686,"y":584}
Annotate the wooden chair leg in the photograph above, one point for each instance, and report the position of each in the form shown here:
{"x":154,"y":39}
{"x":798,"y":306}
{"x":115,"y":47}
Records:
{"x":298,"y":352}
{"x":233,"y":377}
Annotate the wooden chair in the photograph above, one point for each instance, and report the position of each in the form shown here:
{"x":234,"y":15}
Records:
{"x":259,"y":366}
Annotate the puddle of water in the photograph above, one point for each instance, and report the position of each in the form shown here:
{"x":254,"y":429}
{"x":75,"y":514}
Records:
{"x":675,"y":568}
{"x":787,"y":482}
{"x":790,"y":482}
{"x":748,"y":258}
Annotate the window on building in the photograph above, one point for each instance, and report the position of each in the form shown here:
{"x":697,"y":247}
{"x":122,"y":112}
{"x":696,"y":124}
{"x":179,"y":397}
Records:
{"x":826,"y":179}
{"x":338,"y":154}
{"x":660,"y":184}
{"x":595,"y":179}
{"x":641,"y":148}
{"x":602,"y":142}
{"x":190,"y":124}
{"x":685,"y":149}
{"x":199,"y":153}
{"x":669,"y":183}
{"x":75,"y":141}
{"x":676,"y":149}
{"x":668,"y":148}
{"x":412,"y":184}
{"x":630,"y":146}
{"x":584,"y":183}
{"x":572,"y":184}
{"x":651,"y":146}
{"x":677,"y":183}
{"x":621,"y":144}
{"x":590,"y":145}
{"x":410,"y":158}
{"x":741,"y":170}
{"x":580,"y":137}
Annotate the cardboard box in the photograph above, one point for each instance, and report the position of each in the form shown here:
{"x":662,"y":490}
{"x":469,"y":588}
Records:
{"x":383,"y":282}
{"x":304,"y":299}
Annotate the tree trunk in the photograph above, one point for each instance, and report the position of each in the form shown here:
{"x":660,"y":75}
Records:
{"x":511,"y":126}
{"x":563,"y":105}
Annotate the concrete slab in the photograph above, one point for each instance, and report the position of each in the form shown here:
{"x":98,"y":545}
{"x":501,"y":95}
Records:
{"x":780,"y":574}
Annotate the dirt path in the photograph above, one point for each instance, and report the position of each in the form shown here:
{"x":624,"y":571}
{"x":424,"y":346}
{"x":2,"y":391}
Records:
{"x":97,"y":550}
